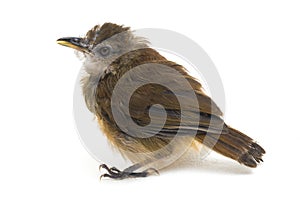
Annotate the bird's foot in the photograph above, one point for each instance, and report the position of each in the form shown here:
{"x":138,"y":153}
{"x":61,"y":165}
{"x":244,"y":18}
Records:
{"x":115,"y":173}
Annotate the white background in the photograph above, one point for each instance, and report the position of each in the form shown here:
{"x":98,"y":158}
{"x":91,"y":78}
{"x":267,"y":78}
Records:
{"x":255,"y":46}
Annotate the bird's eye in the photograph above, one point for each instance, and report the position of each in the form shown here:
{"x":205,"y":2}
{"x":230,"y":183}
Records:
{"x":105,"y":51}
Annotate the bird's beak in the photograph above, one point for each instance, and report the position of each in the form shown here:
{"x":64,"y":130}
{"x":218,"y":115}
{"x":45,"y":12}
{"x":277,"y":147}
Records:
{"x":73,"y":42}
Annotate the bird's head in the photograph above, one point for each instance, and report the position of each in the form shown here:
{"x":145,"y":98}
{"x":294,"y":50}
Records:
{"x":103,"y":44}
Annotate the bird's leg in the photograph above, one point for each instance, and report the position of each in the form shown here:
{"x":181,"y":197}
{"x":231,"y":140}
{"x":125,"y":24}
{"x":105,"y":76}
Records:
{"x":129,"y":172}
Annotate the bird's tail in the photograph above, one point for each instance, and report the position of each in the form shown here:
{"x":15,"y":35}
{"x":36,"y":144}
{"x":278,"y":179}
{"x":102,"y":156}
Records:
{"x":234,"y":144}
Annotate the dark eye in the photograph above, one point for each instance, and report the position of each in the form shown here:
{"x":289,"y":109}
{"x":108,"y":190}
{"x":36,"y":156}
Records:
{"x":105,"y":51}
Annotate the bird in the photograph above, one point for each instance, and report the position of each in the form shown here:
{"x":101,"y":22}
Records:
{"x":153,"y":87}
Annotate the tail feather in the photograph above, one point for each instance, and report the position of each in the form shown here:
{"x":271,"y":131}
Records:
{"x":234,"y":144}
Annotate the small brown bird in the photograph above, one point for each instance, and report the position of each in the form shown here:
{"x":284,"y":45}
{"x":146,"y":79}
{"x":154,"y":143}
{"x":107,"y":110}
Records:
{"x":113,"y":52}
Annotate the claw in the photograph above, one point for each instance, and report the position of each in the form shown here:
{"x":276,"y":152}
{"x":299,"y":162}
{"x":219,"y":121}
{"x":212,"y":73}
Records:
{"x":105,"y":175}
{"x":152,"y":171}
{"x":115,"y":173}
{"x":110,"y":170}
{"x":104,"y":166}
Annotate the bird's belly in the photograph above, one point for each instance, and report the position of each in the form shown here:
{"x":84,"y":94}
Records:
{"x":158,"y":149}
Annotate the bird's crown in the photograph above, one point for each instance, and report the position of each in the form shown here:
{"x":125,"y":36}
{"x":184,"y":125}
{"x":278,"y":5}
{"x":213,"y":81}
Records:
{"x":100,"y":33}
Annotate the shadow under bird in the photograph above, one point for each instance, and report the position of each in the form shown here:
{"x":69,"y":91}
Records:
{"x":110,"y":51}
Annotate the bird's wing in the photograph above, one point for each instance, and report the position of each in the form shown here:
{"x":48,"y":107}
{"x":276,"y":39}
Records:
{"x":164,"y":97}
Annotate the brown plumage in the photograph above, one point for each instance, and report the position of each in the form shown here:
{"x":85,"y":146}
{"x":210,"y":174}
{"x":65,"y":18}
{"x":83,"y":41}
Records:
{"x":104,"y":72}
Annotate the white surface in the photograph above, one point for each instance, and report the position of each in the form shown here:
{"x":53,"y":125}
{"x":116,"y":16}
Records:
{"x":254,"y":45}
